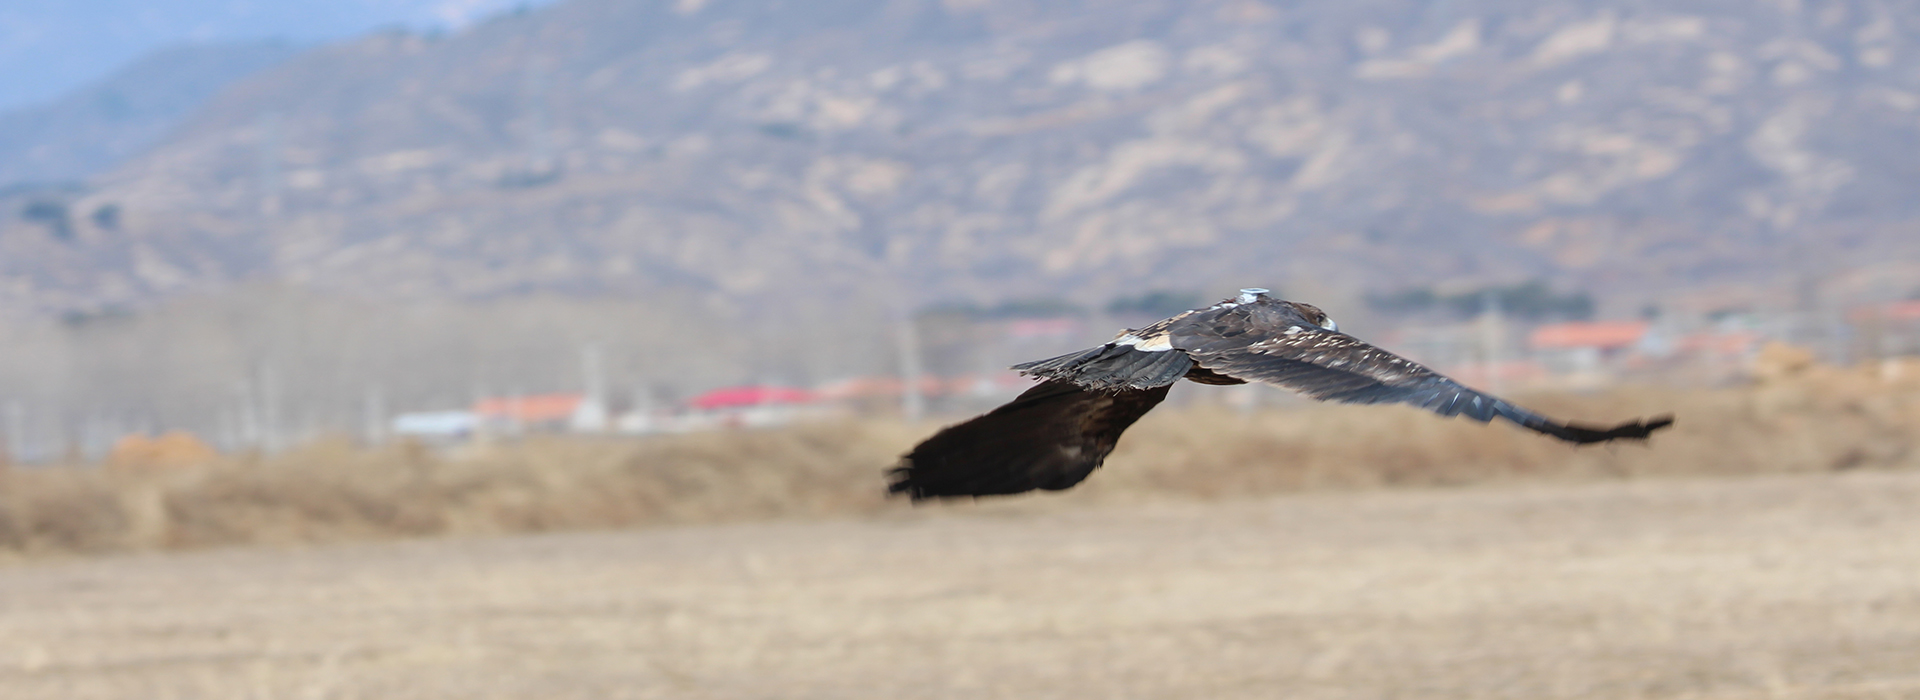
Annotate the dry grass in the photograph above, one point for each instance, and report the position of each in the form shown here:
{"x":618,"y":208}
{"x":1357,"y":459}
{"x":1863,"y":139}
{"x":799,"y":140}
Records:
{"x":1821,"y":419}
{"x":333,"y":491}
{"x":1798,"y":587}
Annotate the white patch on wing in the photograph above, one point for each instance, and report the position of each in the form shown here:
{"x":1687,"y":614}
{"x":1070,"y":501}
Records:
{"x":1292,"y":330}
{"x":1159,"y":343}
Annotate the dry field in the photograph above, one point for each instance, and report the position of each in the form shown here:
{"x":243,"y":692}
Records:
{"x":1766,"y":547}
{"x":1808,"y":420}
{"x":1785,"y":586}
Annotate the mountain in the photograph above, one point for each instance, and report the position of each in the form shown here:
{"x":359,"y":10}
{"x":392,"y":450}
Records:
{"x":929,"y":150}
{"x":117,"y":117}
{"x":48,"y":49}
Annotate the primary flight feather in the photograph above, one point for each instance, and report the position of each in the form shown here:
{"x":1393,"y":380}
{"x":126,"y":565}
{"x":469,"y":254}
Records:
{"x":1055,"y":434}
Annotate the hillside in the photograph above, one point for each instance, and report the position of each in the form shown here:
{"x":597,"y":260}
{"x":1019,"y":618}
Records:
{"x":120,"y":116}
{"x":984,"y":149}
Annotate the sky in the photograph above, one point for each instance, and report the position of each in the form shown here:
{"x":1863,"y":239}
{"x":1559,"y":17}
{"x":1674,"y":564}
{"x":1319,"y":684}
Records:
{"x":49,"y":47}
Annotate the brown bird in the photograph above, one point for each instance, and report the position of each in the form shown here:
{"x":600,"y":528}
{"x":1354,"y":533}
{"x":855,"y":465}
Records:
{"x":1055,"y":434}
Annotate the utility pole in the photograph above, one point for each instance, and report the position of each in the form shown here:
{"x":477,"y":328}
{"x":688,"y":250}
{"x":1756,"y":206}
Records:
{"x":641,"y":411}
{"x":269,"y":397}
{"x":247,"y":423}
{"x":1491,"y":338}
{"x":591,"y":416}
{"x":913,"y":405}
{"x":374,"y":408}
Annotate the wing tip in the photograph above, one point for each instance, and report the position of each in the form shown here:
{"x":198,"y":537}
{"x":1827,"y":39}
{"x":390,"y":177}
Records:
{"x":900,"y":482}
{"x":1644,"y":428}
{"x":1640,"y":429}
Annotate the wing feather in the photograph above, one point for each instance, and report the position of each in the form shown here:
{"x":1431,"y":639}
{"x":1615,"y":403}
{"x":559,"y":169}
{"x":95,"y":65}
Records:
{"x":1332,"y":366}
{"x":1050,"y":437}
{"x":1111,"y":367}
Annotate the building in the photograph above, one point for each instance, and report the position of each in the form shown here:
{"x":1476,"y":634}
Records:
{"x":533,"y":413}
{"x":1586,"y":348}
{"x":750,"y":406}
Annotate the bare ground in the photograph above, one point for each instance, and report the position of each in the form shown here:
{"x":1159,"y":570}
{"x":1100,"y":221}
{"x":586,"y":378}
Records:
{"x":1787,"y":586}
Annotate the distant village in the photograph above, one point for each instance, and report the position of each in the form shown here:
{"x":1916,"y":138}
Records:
{"x":1490,"y":351}
{"x":950,"y":363}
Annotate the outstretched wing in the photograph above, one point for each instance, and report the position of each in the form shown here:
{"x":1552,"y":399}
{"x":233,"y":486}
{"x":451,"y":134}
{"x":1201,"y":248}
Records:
{"x":1334,"y":366}
{"x":1050,"y":437}
{"x":1112,"y":367}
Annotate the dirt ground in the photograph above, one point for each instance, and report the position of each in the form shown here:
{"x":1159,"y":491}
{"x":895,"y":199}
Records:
{"x":1799,"y":586}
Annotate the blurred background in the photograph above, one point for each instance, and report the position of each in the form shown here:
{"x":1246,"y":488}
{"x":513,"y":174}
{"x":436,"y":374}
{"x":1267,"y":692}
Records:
{"x":280,"y":273}
{"x":261,"y":223}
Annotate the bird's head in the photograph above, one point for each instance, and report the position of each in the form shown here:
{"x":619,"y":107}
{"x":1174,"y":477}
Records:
{"x":1314,"y":315}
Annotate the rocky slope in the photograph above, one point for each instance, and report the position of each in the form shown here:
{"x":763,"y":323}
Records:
{"x":982,"y":149}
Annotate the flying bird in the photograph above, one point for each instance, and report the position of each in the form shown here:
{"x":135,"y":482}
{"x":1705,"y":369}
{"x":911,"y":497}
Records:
{"x":1056,"y":433}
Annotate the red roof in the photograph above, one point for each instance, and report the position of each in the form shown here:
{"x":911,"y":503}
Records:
{"x":744,"y":396}
{"x":535,"y":408}
{"x":1895,"y":311}
{"x":1606,"y":335}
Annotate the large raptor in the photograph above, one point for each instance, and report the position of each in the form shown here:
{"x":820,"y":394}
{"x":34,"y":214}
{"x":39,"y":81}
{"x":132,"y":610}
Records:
{"x":1055,"y":434}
